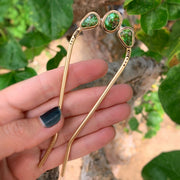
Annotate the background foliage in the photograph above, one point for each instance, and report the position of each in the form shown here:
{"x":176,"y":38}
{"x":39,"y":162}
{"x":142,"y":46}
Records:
{"x":33,"y":24}
{"x":160,"y":32}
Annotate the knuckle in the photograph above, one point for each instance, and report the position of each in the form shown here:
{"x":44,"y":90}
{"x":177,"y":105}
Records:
{"x":15,"y":129}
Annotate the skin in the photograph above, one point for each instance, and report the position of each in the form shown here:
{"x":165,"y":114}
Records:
{"x":23,"y":139}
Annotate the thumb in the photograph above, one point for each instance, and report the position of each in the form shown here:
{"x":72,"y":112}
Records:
{"x":23,"y":134}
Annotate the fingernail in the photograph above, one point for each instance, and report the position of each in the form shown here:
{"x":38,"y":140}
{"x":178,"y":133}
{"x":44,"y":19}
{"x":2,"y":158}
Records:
{"x":51,"y":117}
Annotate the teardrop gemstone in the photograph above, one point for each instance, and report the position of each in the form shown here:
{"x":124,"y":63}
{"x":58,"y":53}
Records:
{"x":112,"y":21}
{"x":126,"y":36}
{"x":90,"y":21}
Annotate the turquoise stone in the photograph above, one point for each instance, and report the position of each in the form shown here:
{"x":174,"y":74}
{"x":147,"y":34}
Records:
{"x":127,"y":36}
{"x":91,"y":20}
{"x":112,"y":21}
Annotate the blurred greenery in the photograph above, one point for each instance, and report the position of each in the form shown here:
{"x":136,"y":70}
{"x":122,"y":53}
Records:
{"x":151,"y":112}
{"x":33,"y":25}
{"x":160,"y":32}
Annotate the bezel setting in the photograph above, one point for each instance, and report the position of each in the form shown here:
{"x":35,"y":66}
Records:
{"x":104,"y":19}
{"x":90,"y":27}
{"x":119,"y":35}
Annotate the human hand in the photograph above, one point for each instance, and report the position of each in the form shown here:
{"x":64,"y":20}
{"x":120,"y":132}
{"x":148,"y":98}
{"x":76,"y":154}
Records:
{"x":23,"y":138}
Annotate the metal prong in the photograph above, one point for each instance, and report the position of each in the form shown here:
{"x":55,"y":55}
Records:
{"x":48,"y":151}
{"x":69,"y":145}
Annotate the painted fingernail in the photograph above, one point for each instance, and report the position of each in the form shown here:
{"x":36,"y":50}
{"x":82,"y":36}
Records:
{"x":51,"y":117}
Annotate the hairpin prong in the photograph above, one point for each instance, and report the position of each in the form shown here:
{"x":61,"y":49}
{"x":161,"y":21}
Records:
{"x":62,"y":90}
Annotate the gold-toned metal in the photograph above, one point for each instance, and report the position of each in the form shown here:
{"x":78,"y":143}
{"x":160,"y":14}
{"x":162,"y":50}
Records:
{"x":48,"y":151}
{"x":61,"y":97}
{"x":66,"y":67}
{"x":104,"y":18}
{"x":90,"y":27}
{"x":84,"y":122}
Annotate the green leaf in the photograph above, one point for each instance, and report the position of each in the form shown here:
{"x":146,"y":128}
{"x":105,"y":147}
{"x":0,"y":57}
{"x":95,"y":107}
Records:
{"x":158,"y":107}
{"x":154,"y":118}
{"x":137,"y":52}
{"x":173,"y":1}
{"x":169,"y":94}
{"x":147,"y":97}
{"x":16,"y":20}
{"x":154,"y":20}
{"x":154,"y":97}
{"x":127,"y":2}
{"x":11,"y":55}
{"x":35,"y":42}
{"x":173,"y":46}
{"x":157,"y":42}
{"x":141,"y":6}
{"x":148,"y":107}
{"x":3,"y":37}
{"x":30,"y":53}
{"x":173,"y":11}
{"x":4,"y":6}
{"x":34,"y":39}
{"x":133,"y":124}
{"x":138,"y":109}
{"x":16,"y":76}
{"x":126,"y":23}
{"x":156,"y":56}
{"x":54,"y":62}
{"x":24,"y":74}
{"x":178,"y":56}
{"x":6,"y":80}
{"x":163,"y":167}
{"x":151,"y":132}
{"x":51,"y":17}
{"x":126,"y":130}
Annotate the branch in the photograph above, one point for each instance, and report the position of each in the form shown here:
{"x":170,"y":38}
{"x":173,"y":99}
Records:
{"x":96,"y":167}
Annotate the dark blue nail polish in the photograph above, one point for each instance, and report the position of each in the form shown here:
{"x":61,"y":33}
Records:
{"x":51,"y":117}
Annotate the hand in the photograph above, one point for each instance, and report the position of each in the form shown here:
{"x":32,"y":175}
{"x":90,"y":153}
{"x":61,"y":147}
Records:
{"x":23,"y":138}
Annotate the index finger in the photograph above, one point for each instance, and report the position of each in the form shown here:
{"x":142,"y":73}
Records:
{"x":39,"y":89}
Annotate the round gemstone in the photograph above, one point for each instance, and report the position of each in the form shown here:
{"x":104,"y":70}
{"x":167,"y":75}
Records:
{"x":91,"y":20}
{"x":126,"y":36}
{"x":112,"y":21}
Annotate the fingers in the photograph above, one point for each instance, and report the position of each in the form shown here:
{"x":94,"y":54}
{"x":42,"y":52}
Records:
{"x":85,"y":99}
{"x":101,"y":119}
{"x":28,"y":160}
{"x":81,"y":147}
{"x":81,"y":102}
{"x":39,"y":89}
{"x":23,"y":134}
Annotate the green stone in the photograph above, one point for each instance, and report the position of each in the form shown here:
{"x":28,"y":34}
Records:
{"x":91,"y":20}
{"x":126,"y":36}
{"x":112,"y":21}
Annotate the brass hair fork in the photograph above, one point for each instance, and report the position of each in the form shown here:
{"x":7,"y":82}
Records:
{"x":111,"y":22}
